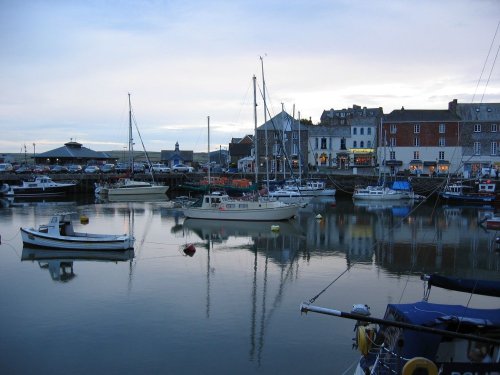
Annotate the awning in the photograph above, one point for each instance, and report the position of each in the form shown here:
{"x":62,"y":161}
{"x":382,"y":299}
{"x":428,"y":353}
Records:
{"x":443,"y":162}
{"x":393,"y":162}
{"x":429,"y":163}
{"x":416,"y":161}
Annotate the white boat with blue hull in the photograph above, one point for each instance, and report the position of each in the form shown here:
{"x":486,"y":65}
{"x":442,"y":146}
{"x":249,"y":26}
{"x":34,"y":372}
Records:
{"x":425,"y":337}
{"x":41,"y":186}
{"x":60,"y":234}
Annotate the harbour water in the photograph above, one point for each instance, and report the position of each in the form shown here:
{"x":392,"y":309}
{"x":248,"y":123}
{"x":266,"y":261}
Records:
{"x":233,"y":306}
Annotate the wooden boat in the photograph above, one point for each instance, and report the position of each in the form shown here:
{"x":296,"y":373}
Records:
{"x":41,"y":186}
{"x":428,"y":337}
{"x":220,"y":206}
{"x":59,"y":233}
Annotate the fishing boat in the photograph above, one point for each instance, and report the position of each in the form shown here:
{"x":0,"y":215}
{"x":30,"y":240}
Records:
{"x":425,"y":337}
{"x":290,"y":196}
{"x":219,"y":206}
{"x":41,"y":186}
{"x":128,"y":186}
{"x":458,"y":192}
{"x":60,"y":234}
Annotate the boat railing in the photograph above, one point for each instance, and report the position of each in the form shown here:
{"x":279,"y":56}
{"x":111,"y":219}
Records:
{"x":387,"y":362}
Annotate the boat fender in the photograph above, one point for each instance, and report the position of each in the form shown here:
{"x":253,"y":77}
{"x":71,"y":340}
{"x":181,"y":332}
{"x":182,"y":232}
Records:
{"x":84,"y":219}
{"x":365,"y":336}
{"x":417,"y":364}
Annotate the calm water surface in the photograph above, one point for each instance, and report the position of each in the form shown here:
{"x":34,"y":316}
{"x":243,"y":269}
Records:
{"x":233,"y":307}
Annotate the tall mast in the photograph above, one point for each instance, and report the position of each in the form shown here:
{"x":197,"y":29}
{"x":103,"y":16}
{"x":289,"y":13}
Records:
{"x":130,"y":139}
{"x":255,"y":143}
{"x":300,"y":153}
{"x":208,"y":145}
{"x":265,"y":120}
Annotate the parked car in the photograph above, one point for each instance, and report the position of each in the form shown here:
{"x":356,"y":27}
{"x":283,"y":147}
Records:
{"x":139,"y":167}
{"x":23,"y":169}
{"x":182,"y":168}
{"x":6,"y":168}
{"x":59,"y":169}
{"x":41,"y":169}
{"x":108,"y":168}
{"x":92,"y":169}
{"x":75,"y":168}
{"x":121,"y":167}
{"x":160,"y":168}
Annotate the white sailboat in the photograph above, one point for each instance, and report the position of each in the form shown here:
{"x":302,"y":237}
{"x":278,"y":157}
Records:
{"x":127,"y":187}
{"x":379,"y":192}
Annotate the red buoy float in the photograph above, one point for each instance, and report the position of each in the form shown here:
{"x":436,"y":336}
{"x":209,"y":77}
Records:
{"x":189,"y":250}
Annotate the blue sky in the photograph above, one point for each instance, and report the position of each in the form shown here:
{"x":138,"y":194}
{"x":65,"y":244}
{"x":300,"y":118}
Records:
{"x":67,"y":66}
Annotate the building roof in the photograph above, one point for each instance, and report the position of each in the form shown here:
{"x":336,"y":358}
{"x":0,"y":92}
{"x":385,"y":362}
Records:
{"x":282,"y":122}
{"x":355,"y":111}
{"x":420,"y":115}
{"x":186,"y":156}
{"x":73,"y":150}
{"x":329,"y":131}
{"x":476,"y":111}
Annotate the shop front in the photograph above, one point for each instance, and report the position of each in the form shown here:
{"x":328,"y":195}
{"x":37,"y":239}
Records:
{"x":363,"y":157}
{"x":416,"y":167}
{"x":343,"y":160}
{"x":443,"y":167}
{"x":430,"y":167}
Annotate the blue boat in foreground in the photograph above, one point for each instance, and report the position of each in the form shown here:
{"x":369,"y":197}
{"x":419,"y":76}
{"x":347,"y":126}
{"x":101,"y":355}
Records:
{"x":428,"y":338}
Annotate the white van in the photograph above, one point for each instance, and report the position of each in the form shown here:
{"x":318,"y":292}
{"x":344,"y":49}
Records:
{"x":6,"y":168}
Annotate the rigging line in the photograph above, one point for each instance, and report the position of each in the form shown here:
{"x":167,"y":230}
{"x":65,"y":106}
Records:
{"x":329,"y":285}
{"x":485,"y":61}
{"x":491,"y":71}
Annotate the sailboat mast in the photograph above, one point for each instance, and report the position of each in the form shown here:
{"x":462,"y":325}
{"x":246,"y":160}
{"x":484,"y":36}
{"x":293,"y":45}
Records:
{"x":265,"y":120}
{"x":255,"y":143}
{"x":208,"y":145}
{"x":300,"y":152}
{"x":130,"y":139}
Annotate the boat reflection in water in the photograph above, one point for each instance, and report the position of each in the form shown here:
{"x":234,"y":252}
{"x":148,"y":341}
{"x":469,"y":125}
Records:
{"x":59,"y":262}
{"x":400,"y":207}
{"x":223,"y":229}
{"x":133,"y":198}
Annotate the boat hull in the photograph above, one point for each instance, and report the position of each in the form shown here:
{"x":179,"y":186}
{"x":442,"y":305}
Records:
{"x":144,"y":190}
{"x":257,"y":214}
{"x":34,"y":238}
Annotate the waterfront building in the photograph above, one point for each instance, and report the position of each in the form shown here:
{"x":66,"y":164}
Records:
{"x":420,"y":141}
{"x":176,"y":156}
{"x":479,"y":135}
{"x":72,"y":153}
{"x":240,"y":148}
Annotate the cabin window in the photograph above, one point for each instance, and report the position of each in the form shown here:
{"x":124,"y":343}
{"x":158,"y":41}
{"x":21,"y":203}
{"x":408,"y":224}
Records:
{"x":243,"y":205}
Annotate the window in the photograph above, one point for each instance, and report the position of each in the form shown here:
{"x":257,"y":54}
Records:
{"x":369,"y":144}
{"x":295,"y":149}
{"x":323,"y":143}
{"x":361,"y":131}
{"x":392,"y":155}
{"x":369,"y":131}
{"x":295,"y":135}
{"x":393,"y":128}
{"x":354,"y":131}
{"x":442,"y":141}
{"x":477,"y":128}
{"x":442,"y":128}
{"x":393,"y":142}
{"x":416,"y":142}
{"x":362,"y":144}
{"x":354,"y":144}
{"x":416,"y":128}
{"x":477,"y":148}
{"x":441,"y":155}
{"x":342,"y":144}
{"x":276,"y":135}
{"x":493,"y":128}
{"x":416,"y":155}
{"x":494,"y":146}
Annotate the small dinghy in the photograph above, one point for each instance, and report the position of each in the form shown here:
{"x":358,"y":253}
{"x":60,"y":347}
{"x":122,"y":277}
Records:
{"x":59,"y":233}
